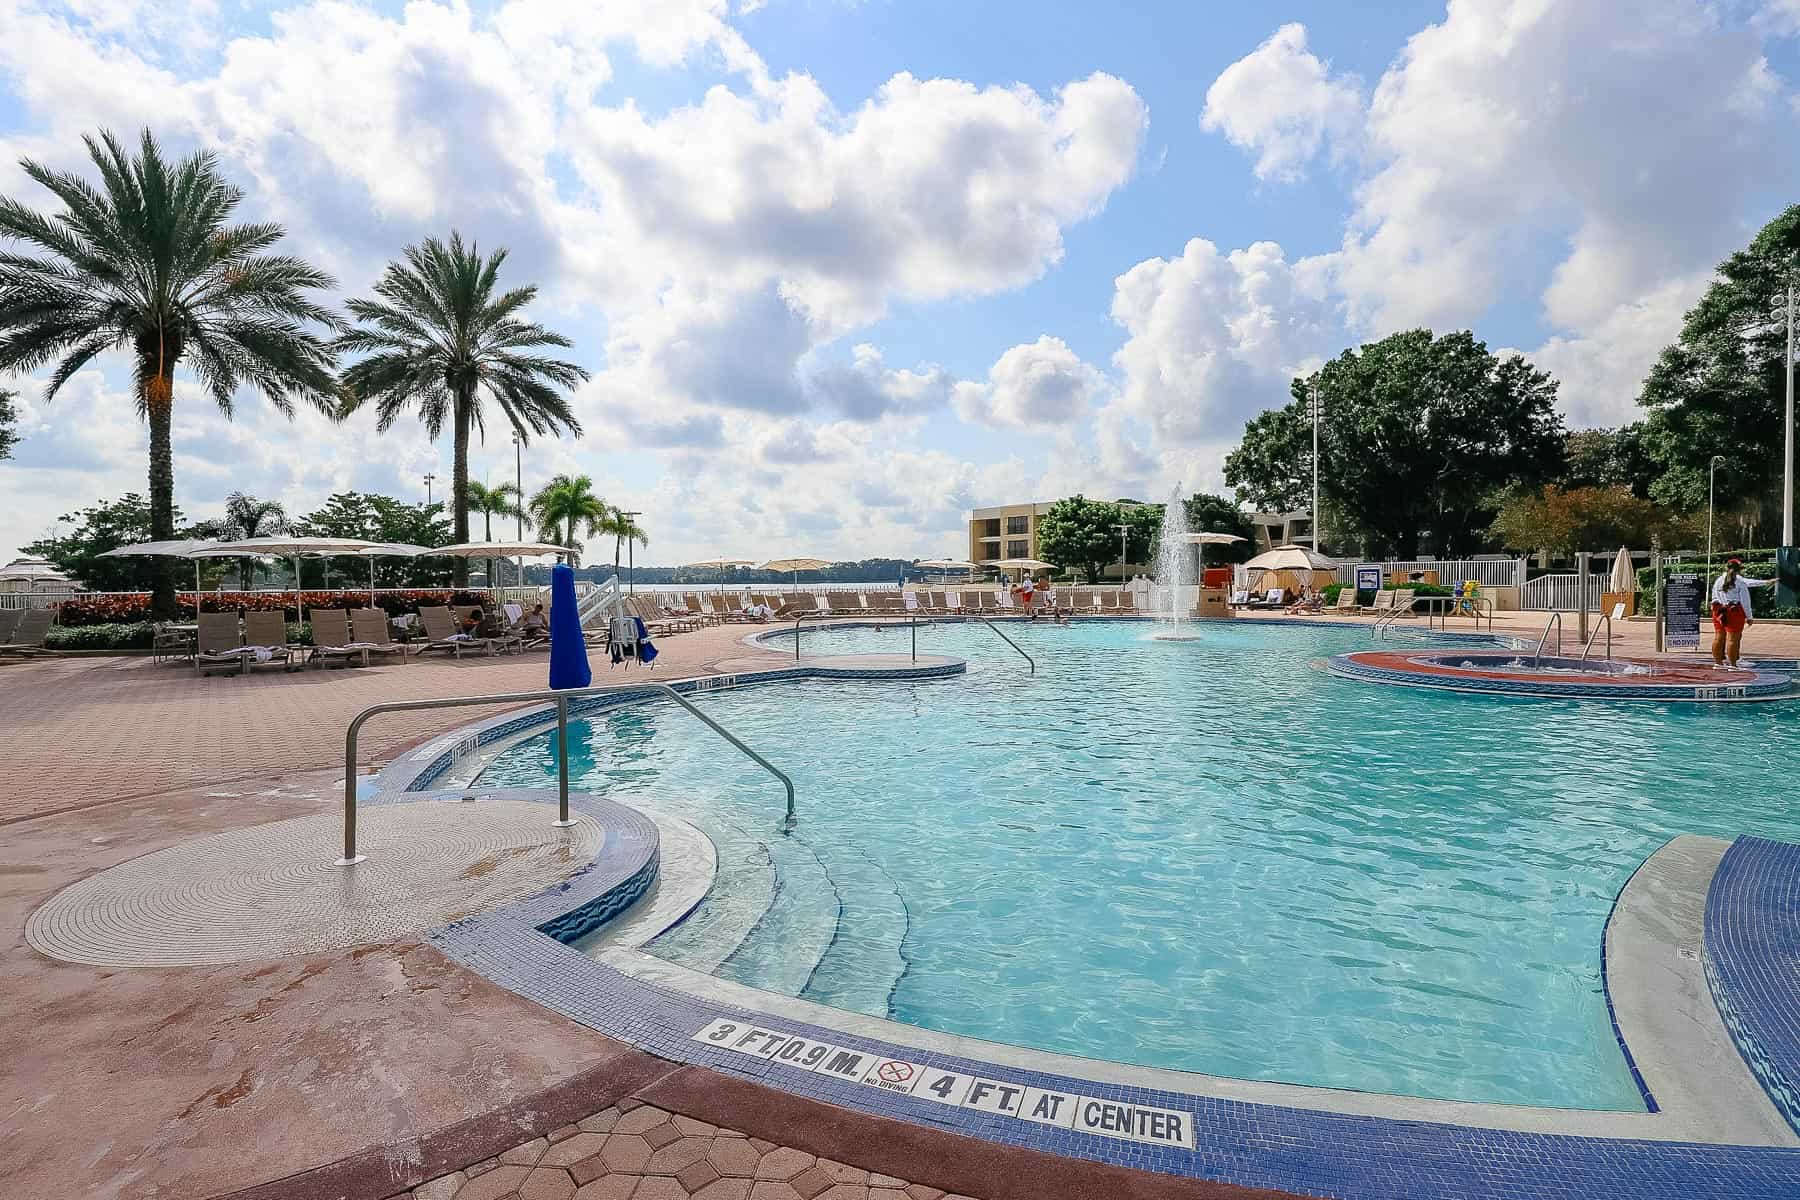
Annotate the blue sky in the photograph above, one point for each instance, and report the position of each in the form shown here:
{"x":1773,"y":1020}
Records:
{"x":843,"y":270}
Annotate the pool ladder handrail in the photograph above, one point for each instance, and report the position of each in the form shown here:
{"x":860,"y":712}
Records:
{"x":913,"y":620}
{"x":1555,"y":622}
{"x":1386,"y":620}
{"x":1605,"y":622}
{"x":1477,"y":606}
{"x":561,"y":698}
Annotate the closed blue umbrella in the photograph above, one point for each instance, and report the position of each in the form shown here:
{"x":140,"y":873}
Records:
{"x":568,"y":648}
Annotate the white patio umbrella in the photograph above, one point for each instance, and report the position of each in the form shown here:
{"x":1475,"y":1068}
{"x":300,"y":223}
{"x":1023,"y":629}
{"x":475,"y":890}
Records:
{"x":505,"y":550}
{"x":723,"y":564}
{"x":796,"y":565}
{"x":287,"y":546}
{"x":389,"y":550}
{"x":1624,"y":576}
{"x":1290,"y":558}
{"x":1212,"y":539}
{"x":179,"y":548}
{"x":1024,"y":564}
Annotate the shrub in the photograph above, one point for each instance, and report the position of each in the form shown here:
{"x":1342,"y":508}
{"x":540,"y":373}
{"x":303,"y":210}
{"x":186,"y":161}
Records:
{"x":1428,"y":589}
{"x":125,"y":635}
{"x":134,"y":607}
{"x":1331,"y":591}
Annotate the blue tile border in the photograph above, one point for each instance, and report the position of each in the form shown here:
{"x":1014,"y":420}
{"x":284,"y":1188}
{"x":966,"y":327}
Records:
{"x":1252,"y":1144}
{"x":1751,"y":955}
{"x":1766,"y":686}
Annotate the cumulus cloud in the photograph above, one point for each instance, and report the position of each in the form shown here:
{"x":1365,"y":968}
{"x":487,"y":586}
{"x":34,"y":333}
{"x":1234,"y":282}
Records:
{"x":1037,"y":385}
{"x":1214,"y":338}
{"x":867,"y":390}
{"x":1281,"y":103}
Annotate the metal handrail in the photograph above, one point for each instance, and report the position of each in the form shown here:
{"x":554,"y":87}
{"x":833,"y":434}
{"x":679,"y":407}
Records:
{"x":1555,"y":622}
{"x":1387,"y":619}
{"x":1605,"y":623}
{"x":1004,"y":638}
{"x":561,"y":698}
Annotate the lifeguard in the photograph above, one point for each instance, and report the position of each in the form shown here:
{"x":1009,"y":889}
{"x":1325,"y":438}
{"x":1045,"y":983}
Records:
{"x":1731,"y":611}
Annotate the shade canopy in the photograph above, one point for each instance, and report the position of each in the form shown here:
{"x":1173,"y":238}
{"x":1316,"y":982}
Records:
{"x":1023,"y":564}
{"x":796,"y":564}
{"x":502,"y":550}
{"x":719,"y":564}
{"x":179,"y":548}
{"x":1624,"y":576}
{"x":395,"y":550}
{"x":1212,"y":539}
{"x":1290,"y":558}
{"x":288,"y":546}
{"x":946,"y":564}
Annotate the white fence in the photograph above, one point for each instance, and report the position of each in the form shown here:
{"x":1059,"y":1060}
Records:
{"x":1489,"y":572}
{"x":1565,"y":593}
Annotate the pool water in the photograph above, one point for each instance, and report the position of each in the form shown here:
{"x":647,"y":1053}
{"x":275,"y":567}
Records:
{"x":1200,"y":855}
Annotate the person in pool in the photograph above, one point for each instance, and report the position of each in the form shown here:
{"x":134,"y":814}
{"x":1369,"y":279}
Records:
{"x":1731,"y":611}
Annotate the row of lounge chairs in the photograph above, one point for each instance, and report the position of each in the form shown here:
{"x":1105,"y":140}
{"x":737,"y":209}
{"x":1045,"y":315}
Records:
{"x":354,"y":636}
{"x":757,"y":606}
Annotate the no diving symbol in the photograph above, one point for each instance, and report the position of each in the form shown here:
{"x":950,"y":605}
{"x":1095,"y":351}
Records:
{"x":895,"y":1072}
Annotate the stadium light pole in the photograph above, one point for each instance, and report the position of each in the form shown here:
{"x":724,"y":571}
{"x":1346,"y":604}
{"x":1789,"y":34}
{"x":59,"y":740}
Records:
{"x":631,"y":548}
{"x":428,"y":478}
{"x":1315,"y":503}
{"x":519,"y":505}
{"x":1711,"y":470}
{"x":1787,"y":474}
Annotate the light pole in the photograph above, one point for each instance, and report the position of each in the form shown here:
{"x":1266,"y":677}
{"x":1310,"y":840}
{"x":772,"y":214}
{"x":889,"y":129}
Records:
{"x":428,"y":478}
{"x":631,"y":548}
{"x":1123,"y":529}
{"x":1787,"y":473}
{"x":1711,"y":468}
{"x":519,"y":505}
{"x":1315,"y":504}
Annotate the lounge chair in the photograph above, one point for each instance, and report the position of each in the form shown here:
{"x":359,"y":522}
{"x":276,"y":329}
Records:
{"x":370,"y":627}
{"x":888,"y":602}
{"x":699,"y":611}
{"x":332,"y":640}
{"x":843,"y":602}
{"x":797,"y":603}
{"x":1346,"y":601}
{"x":265,"y":640}
{"x":722,"y":610}
{"x":219,"y":644}
{"x":1272,"y":598}
{"x":1239,"y":599}
{"x":29,"y":634}
{"x":1128,"y":602}
{"x":9,"y":621}
{"x":1384,"y":600}
{"x":442,"y":633}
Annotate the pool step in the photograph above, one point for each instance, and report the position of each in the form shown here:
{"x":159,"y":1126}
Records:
{"x":739,"y":898}
{"x":865,"y":959}
{"x":785,"y":947}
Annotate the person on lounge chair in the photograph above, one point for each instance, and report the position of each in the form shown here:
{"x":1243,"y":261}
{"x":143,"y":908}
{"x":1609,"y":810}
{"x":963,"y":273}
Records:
{"x":534,"y":624}
{"x":471,"y":623}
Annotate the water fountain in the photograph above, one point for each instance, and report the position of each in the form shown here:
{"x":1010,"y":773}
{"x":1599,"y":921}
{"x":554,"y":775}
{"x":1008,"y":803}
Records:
{"x":1173,"y":554}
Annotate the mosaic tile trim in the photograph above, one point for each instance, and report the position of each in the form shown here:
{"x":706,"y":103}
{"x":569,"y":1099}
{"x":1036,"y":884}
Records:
{"x":1765,"y":686}
{"x":1750,"y":950}
{"x":1612,"y":1016}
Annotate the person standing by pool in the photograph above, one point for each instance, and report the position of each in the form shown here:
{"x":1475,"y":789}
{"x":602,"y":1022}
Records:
{"x":1731,"y":611}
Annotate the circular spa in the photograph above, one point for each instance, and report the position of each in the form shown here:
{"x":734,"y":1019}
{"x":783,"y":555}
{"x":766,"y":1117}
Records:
{"x":1525,"y":673}
{"x":1206,"y":855}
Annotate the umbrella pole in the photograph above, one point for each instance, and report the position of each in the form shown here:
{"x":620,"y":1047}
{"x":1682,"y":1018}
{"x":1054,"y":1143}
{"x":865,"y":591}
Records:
{"x":299,"y":601}
{"x":371,"y":581}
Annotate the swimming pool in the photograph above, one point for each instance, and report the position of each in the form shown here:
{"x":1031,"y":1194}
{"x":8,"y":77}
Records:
{"x":1202,"y":855}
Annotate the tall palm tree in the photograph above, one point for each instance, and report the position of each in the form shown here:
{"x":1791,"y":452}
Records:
{"x":147,"y":263}
{"x":491,"y":502}
{"x":247,"y":517}
{"x":437,"y":336}
{"x":564,"y":503}
{"x":624,"y":528}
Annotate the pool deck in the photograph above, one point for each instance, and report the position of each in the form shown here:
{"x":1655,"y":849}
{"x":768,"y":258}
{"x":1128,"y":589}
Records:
{"x":387,"y":1066}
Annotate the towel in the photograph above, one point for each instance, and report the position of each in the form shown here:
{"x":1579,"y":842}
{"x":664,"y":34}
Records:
{"x":513,"y":612}
{"x":263,"y":653}
{"x":646,"y":650}
{"x":460,"y":637}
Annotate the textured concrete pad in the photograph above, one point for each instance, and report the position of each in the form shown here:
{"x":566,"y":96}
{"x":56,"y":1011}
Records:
{"x":271,"y":891}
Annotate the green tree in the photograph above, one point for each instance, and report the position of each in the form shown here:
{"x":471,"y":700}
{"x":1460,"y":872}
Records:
{"x":503,"y":500}
{"x":1563,"y":521}
{"x":438,"y":337}
{"x":148,"y":264}
{"x":1721,"y":388}
{"x":1207,"y":513}
{"x":105,"y":526}
{"x":377,"y":518}
{"x":565,"y":503}
{"x":623,"y":528}
{"x":1417,"y":437}
{"x":9,"y":419}
{"x":1080,"y":534}
{"x":1608,"y":458}
{"x":247,"y":517}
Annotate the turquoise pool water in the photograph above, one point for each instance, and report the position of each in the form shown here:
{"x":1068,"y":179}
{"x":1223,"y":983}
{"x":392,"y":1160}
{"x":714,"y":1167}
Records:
{"x":1204,"y":855}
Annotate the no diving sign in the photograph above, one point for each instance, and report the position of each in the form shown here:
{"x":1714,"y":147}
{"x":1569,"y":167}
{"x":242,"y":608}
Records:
{"x":1064,"y":1110}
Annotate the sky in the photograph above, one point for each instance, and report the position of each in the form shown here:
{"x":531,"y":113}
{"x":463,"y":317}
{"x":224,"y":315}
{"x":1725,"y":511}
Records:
{"x":843,"y":270}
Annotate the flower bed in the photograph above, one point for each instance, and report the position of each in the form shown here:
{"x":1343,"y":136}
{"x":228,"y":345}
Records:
{"x":134,"y":607}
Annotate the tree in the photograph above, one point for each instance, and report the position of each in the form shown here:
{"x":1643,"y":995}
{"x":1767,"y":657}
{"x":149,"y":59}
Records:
{"x":438,"y":337}
{"x":105,"y":526}
{"x":9,"y":419}
{"x":491,"y":502}
{"x":1207,"y":513}
{"x":1418,"y":434}
{"x":1078,"y":533}
{"x":1720,"y":389}
{"x":247,"y":517}
{"x":1608,"y":458}
{"x":623,"y":528}
{"x":565,"y":503}
{"x":378,"y":518}
{"x":1562,"y":521}
{"x":149,"y":264}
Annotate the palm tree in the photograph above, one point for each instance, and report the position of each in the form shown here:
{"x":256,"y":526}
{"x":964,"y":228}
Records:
{"x":491,"y":502}
{"x":565,"y":502}
{"x":438,"y":337}
{"x":247,"y":517}
{"x":624,"y":528}
{"x":147,"y":263}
